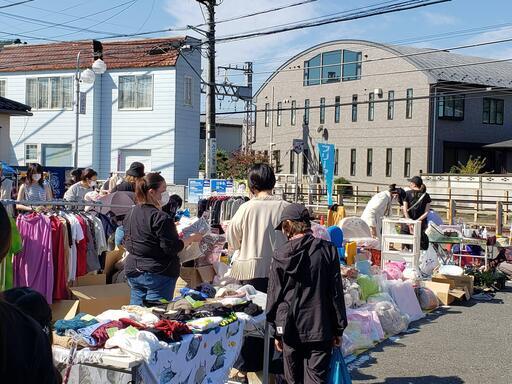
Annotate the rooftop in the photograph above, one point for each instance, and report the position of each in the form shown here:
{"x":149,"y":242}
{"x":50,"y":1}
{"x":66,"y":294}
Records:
{"x":14,"y":108}
{"x":143,"y":53}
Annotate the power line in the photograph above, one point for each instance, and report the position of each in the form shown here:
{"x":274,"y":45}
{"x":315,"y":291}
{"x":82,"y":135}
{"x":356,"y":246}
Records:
{"x":398,"y":7}
{"x":14,"y":4}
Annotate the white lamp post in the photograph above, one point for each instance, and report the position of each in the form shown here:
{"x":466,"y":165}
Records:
{"x":88,"y":76}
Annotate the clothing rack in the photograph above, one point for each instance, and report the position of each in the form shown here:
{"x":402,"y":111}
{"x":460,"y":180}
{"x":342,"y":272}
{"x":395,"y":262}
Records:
{"x":63,"y":202}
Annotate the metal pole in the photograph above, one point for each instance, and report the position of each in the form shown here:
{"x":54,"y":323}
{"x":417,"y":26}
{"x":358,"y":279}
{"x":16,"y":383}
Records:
{"x":296,"y":176}
{"x":77,"y":108}
{"x":211,"y":141}
{"x":271,"y":142}
{"x":248,"y":108}
{"x":433,"y":162}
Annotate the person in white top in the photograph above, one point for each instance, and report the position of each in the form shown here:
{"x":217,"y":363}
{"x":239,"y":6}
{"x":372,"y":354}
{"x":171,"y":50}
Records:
{"x":87,"y":184}
{"x":34,"y":188}
{"x":379,"y":206}
{"x":5,"y":189}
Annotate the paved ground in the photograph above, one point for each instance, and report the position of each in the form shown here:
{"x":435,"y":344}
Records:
{"x":470,"y":344}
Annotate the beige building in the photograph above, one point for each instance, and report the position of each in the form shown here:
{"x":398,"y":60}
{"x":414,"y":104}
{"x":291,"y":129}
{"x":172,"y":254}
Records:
{"x":390,"y":111}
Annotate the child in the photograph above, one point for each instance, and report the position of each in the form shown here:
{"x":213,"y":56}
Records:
{"x":305,"y":299}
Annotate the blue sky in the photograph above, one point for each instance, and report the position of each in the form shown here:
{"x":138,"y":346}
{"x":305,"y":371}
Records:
{"x":266,"y":52}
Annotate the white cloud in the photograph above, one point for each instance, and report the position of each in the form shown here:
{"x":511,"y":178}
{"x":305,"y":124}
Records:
{"x":497,"y":51}
{"x":436,"y":18}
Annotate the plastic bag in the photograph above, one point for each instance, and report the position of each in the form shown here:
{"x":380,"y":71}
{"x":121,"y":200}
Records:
{"x":339,"y":373}
{"x":380,"y":297}
{"x":392,"y":321}
{"x":428,"y":299}
{"x":368,"y":286}
{"x":355,"y":338}
{"x":428,"y":261}
{"x":394,"y":269}
{"x":320,"y":232}
{"x":403,"y":294}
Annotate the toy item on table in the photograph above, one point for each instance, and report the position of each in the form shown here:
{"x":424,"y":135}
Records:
{"x":350,"y":253}
{"x":394,"y":269}
{"x":336,"y":235}
{"x":356,"y":230}
{"x":320,"y":232}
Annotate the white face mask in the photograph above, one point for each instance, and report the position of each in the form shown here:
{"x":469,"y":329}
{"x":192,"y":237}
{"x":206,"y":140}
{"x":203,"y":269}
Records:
{"x":165,"y":198}
{"x":92,"y":183}
{"x":36,"y":176}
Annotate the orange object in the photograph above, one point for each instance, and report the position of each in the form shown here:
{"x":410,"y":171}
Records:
{"x":322,"y":220}
{"x":350,"y":253}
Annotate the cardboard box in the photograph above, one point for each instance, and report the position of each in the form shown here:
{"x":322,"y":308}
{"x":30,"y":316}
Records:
{"x":194,"y":276}
{"x":464,"y":283}
{"x":86,"y":280}
{"x":444,"y":293}
{"x":95,"y":299}
{"x":64,"y":309}
{"x":111,"y":258}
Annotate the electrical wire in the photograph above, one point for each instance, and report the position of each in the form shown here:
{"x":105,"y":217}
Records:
{"x":14,"y":4}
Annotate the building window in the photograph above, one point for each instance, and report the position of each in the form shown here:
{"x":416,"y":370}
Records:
{"x":389,"y":162}
{"x":336,"y":160}
{"x":450,"y":107}
{"x":187,"y":93}
{"x":351,"y":65}
{"x":331,"y":67}
{"x":312,"y":70}
{"x":293,"y":113}
{"x":50,"y":92}
{"x":305,"y":161}
{"x":306,"y":111}
{"x":369,"y":161}
{"x":31,"y":153}
{"x":322,"y":110}
{"x":371,"y":106}
{"x":135,"y":92}
{"x":279,"y":113}
{"x":337,"y":109}
{"x":408,"y":104}
{"x":493,"y":111}
{"x":276,"y":157}
{"x":3,"y":84}
{"x":292,"y":162}
{"x":407,"y":162}
{"x":56,"y":155}
{"x":267,"y":116}
{"x":354,"y":108}
{"x":352,"y":162}
{"x":391,"y":105}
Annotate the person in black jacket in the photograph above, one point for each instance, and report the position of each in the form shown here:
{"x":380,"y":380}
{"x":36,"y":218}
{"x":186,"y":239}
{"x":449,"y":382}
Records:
{"x":305,"y":301}
{"x":133,"y":175}
{"x":152,"y":265}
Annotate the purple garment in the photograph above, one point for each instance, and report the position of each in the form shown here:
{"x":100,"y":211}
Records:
{"x":33,"y":266}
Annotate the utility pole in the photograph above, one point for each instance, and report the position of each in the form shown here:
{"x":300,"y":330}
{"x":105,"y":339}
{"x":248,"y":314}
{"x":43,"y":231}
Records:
{"x":211,"y":138}
{"x":248,"y":110}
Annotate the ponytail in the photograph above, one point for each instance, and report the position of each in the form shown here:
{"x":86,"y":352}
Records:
{"x":145,"y":184}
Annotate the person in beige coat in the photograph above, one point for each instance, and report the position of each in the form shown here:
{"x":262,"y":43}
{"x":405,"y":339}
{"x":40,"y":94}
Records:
{"x":252,"y":235}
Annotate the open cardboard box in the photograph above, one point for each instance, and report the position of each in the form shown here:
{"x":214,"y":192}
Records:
{"x":87,"y":280}
{"x":64,"y":309}
{"x":463,"y":283}
{"x":194,"y":276}
{"x":444,"y":293}
{"x":111,"y":258}
{"x":95,"y":299}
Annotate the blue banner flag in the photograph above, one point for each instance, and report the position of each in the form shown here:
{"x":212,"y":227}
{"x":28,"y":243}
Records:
{"x":326,"y":152}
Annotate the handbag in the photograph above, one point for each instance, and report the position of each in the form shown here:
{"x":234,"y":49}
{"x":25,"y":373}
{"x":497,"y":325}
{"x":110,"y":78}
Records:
{"x":339,"y":373}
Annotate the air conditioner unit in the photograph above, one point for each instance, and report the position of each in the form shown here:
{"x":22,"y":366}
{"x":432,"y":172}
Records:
{"x":378,"y":92}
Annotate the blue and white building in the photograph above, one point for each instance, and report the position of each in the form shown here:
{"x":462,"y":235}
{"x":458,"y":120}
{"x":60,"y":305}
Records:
{"x":145,"y":107}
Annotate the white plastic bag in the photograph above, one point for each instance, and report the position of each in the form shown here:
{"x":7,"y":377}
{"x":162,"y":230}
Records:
{"x":429,"y":261}
{"x":405,"y":298}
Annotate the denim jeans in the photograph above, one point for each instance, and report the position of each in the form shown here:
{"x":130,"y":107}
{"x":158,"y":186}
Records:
{"x":119,"y":236}
{"x":151,"y":287}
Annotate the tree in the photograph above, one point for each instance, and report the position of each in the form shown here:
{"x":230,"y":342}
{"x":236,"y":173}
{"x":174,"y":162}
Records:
{"x":473,"y":166}
{"x":240,"y":162}
{"x":222,"y":157}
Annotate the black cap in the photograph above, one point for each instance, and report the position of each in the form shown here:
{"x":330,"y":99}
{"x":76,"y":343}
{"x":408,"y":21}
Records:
{"x":136,"y":169}
{"x":416,"y":180}
{"x":294,"y":212}
{"x":32,"y":303}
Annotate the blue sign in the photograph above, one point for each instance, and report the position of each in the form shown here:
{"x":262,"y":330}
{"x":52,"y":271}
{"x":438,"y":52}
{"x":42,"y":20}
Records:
{"x":219,"y":186}
{"x":326,"y":152}
{"x":195,"y":190}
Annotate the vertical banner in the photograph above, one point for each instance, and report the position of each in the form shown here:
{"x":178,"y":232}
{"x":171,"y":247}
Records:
{"x":326,"y":152}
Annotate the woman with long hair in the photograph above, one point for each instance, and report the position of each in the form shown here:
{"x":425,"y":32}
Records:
{"x":152,"y":241}
{"x":34,"y":188}
{"x":417,"y":206}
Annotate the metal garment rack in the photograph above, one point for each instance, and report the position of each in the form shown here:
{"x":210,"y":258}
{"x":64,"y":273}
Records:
{"x":38,"y":203}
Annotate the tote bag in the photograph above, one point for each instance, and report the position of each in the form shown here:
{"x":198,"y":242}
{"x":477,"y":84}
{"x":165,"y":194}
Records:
{"x":339,"y":373}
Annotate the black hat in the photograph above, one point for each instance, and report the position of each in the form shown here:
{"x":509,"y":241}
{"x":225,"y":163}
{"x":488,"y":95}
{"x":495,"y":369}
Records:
{"x":294,"y":212}
{"x":136,"y":169}
{"x":32,"y":303}
{"x":416,"y":180}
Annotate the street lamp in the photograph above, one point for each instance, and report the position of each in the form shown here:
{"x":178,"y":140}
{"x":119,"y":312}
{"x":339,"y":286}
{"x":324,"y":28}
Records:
{"x":88,"y":76}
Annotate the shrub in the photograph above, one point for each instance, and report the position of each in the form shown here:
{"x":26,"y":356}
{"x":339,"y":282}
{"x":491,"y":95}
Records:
{"x":346,"y":189}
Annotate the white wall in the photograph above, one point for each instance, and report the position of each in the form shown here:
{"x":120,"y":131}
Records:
{"x":48,"y":126}
{"x":138,"y":129}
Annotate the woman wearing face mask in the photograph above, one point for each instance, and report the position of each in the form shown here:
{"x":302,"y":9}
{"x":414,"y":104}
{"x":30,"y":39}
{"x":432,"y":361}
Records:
{"x":87,"y":184}
{"x":152,"y":266}
{"x":34,"y":188}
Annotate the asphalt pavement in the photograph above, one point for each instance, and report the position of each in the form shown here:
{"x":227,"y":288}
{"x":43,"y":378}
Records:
{"x":470,"y":343}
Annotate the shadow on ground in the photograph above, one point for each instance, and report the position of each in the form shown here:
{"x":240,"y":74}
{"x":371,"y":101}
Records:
{"x":423,"y":380}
